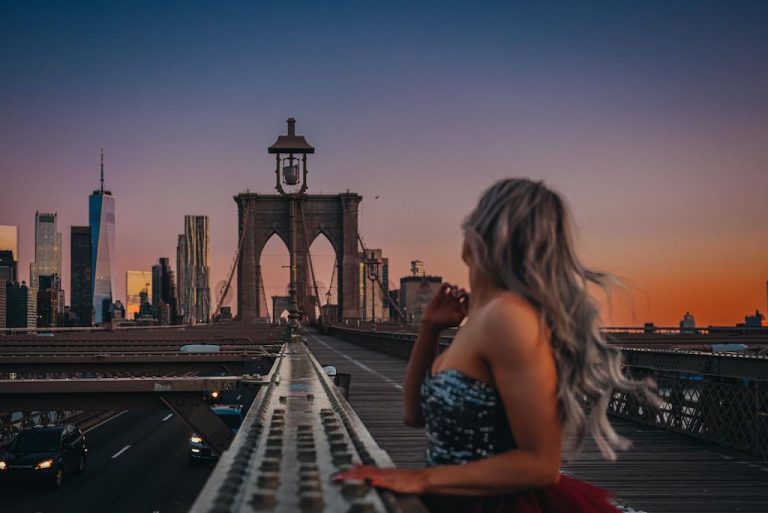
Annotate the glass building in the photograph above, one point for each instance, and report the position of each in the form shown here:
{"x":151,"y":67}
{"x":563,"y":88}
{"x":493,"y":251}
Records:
{"x":21,"y":307}
{"x":80,"y":287}
{"x":47,"y":249}
{"x":102,"y":222}
{"x":164,"y":292}
{"x":136,"y":283}
{"x":194,"y":293}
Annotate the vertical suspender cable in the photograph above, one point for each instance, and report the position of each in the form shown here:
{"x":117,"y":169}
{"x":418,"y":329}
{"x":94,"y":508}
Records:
{"x":309,"y":257}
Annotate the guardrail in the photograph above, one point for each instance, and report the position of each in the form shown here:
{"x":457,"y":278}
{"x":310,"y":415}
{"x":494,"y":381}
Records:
{"x":717,"y":397}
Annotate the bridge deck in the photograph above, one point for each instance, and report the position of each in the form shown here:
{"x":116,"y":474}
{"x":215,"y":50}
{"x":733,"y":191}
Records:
{"x":664,"y":472}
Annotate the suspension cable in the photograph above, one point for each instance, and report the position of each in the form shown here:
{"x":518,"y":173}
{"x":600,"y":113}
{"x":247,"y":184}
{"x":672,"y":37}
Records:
{"x":233,"y":266}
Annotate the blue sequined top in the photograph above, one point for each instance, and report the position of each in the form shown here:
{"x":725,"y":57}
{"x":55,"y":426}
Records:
{"x":465,"y":419}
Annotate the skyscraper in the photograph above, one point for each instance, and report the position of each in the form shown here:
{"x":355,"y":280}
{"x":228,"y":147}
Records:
{"x":9,"y":254}
{"x":80,"y":285}
{"x":21,"y":306}
{"x":47,"y":248}
{"x":136,"y":282}
{"x":102,"y":223}
{"x":194,"y":291}
{"x":48,"y":301}
{"x":164,"y":305}
{"x":7,"y":267}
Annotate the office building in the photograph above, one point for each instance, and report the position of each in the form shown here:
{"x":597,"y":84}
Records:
{"x":47,"y":248}
{"x":8,"y":266}
{"x":416,"y":291}
{"x":21,"y":306}
{"x":80,"y":287}
{"x":47,"y":308}
{"x":136,"y":283}
{"x":193,"y":289}
{"x":102,"y":223}
{"x":163,"y":299}
{"x":9,"y":254}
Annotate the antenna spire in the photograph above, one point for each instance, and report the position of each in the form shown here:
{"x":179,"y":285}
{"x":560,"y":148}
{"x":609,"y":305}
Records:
{"x":102,"y":170}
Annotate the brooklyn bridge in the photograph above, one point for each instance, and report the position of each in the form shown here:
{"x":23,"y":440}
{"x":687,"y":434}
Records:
{"x":321,"y":390}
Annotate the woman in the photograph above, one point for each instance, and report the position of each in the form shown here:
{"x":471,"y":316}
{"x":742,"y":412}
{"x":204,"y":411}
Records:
{"x":528,"y":369}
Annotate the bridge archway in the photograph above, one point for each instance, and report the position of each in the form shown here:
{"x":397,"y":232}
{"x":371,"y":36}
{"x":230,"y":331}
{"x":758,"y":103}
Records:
{"x":275,"y":276}
{"x":326,"y":273}
{"x":334,"y":216}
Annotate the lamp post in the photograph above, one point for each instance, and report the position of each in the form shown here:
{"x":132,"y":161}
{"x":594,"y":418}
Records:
{"x":373,"y":273}
{"x":291,"y":180}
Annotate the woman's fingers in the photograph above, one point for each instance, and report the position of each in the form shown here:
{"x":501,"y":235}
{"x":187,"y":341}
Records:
{"x":357,"y":472}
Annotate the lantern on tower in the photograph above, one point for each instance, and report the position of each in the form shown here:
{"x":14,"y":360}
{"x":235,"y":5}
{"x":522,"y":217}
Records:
{"x":291,"y":161}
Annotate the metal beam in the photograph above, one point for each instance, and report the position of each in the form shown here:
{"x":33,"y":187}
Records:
{"x":727,"y":365}
{"x":155,"y":363}
{"x":110,"y":393}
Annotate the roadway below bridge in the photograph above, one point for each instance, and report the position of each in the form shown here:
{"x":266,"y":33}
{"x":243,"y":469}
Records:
{"x":663,"y":473}
{"x":137,"y":463}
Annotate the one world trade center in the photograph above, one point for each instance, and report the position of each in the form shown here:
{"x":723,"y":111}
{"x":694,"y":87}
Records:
{"x":101,"y":207}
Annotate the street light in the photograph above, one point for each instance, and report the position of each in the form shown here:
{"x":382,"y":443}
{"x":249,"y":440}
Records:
{"x":373,"y":274}
{"x":291,"y":152}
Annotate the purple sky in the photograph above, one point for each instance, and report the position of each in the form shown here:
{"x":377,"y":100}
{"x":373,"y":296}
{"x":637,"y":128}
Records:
{"x":651,"y":118}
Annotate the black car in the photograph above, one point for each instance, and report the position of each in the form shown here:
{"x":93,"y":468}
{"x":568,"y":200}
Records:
{"x":45,"y":453}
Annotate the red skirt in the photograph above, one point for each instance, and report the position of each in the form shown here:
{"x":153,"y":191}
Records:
{"x":567,"y":496}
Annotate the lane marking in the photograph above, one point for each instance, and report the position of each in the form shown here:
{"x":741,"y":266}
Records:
{"x":361,"y":365}
{"x":167,"y":417}
{"x":104,"y":422}
{"x":121,"y":451}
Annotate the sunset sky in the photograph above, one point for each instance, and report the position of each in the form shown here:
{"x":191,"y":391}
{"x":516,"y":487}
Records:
{"x":650,"y":117}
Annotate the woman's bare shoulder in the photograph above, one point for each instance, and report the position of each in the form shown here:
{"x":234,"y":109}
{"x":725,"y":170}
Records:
{"x":511,"y":322}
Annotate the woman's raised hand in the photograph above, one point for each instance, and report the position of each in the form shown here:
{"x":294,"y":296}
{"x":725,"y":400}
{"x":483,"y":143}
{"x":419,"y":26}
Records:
{"x":448,"y":308}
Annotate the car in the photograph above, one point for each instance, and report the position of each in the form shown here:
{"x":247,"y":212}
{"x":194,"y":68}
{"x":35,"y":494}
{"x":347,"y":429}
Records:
{"x":199,"y":450}
{"x":44,"y":453}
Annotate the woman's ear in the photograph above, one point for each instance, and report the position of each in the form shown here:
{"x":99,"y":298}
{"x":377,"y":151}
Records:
{"x":466,"y":253}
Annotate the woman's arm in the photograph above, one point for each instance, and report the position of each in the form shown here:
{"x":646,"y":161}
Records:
{"x":422,"y":356}
{"x":524,"y":372}
{"x":447,"y":309}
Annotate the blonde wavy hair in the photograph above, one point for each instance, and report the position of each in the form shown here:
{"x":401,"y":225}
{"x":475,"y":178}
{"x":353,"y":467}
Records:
{"x":521,"y":236}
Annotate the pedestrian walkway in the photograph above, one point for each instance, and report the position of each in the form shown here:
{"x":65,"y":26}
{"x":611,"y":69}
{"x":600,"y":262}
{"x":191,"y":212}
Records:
{"x":663,"y":473}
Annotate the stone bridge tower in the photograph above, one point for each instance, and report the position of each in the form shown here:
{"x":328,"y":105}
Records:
{"x":297,"y":218}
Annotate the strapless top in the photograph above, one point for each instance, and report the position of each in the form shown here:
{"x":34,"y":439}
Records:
{"x":464,"y":417}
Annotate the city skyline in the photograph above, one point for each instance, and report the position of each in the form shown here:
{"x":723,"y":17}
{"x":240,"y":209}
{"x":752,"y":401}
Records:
{"x":651,"y":122}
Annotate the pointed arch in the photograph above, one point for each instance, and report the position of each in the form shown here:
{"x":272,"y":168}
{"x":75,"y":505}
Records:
{"x":274,"y":261}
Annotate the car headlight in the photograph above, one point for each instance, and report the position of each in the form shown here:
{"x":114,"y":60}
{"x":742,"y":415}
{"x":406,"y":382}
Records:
{"x":195,"y":439}
{"x":3,"y":465}
{"x":44,"y":464}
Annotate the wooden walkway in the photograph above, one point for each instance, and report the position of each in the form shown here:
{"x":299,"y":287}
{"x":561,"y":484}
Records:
{"x":663,"y":473}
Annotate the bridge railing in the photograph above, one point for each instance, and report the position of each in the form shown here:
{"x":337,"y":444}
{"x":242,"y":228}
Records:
{"x":720,"y":398}
{"x":717,"y":397}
